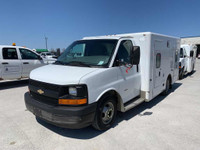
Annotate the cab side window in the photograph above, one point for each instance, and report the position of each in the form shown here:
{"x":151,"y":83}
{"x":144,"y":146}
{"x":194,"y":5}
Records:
{"x":27,"y":54}
{"x":124,"y":51}
{"x":10,"y":53}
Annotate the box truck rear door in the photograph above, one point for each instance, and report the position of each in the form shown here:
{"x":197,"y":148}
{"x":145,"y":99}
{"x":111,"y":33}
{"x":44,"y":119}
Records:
{"x":158,"y":70}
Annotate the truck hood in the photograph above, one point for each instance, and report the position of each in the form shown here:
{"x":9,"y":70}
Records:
{"x":61,"y":75}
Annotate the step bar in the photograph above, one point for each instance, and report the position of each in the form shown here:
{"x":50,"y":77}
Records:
{"x":133,"y":103}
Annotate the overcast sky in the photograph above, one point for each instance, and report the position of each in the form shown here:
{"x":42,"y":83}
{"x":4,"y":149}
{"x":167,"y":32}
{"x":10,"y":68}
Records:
{"x":26,"y":22}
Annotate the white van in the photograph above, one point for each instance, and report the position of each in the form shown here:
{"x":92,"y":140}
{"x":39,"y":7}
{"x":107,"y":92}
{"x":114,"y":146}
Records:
{"x":17,"y":62}
{"x":182,"y":63}
{"x":187,"y":59}
{"x":97,"y":76}
{"x":48,"y":57}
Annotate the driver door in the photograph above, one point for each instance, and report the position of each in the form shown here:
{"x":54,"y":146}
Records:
{"x":129,"y":77}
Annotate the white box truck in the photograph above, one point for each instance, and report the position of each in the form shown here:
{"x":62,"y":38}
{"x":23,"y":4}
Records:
{"x":97,"y":76}
{"x":187,"y":59}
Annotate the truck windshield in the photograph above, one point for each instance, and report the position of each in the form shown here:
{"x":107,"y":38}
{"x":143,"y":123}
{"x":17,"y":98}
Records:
{"x":88,"y":53}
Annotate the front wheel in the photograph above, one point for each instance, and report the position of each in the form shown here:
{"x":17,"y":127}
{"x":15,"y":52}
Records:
{"x":105,"y":114}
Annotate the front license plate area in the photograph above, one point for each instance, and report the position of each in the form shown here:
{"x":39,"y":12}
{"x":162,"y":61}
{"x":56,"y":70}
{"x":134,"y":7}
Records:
{"x":42,"y":114}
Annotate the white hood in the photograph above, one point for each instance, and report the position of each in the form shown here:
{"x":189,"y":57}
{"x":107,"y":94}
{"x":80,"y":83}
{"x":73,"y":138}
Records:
{"x":61,"y":75}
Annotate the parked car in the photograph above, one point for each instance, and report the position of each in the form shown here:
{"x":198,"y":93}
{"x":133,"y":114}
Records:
{"x":48,"y":57}
{"x":187,"y":59}
{"x":182,"y":63}
{"x":97,"y":76}
{"x":17,"y":62}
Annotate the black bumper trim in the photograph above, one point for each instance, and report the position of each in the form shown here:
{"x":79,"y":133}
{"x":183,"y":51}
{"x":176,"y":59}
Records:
{"x":62,"y":116}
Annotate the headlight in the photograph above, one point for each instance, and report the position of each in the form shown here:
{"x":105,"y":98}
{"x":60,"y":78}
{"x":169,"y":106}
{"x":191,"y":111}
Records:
{"x":73,"y":91}
{"x":76,"y":95}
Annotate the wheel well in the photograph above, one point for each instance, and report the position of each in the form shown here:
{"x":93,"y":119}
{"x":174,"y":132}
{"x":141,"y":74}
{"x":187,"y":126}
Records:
{"x":114,"y":94}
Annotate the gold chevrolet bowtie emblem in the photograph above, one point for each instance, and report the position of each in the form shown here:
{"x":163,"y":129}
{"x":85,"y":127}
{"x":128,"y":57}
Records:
{"x":40,"y":91}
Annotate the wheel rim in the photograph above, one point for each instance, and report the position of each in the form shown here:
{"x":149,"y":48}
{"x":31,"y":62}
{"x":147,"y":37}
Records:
{"x":107,"y":113}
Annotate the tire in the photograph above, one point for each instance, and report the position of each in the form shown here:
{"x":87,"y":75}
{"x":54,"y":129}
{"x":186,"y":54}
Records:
{"x":167,"y":87}
{"x":181,"y":74}
{"x":105,"y":114}
{"x":193,"y":68}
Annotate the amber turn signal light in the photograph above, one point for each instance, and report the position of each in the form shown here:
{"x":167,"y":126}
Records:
{"x":72,"y":101}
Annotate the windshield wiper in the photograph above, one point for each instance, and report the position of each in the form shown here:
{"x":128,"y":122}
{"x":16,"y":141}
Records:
{"x":77,"y":63}
{"x":59,"y":62}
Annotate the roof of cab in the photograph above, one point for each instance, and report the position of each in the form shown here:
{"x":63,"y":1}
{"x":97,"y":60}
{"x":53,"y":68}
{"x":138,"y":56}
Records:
{"x":10,"y":46}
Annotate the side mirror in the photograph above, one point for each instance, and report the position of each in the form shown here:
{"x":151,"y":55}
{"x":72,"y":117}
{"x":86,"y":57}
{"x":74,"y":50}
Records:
{"x":135,"y":55}
{"x":184,"y":56}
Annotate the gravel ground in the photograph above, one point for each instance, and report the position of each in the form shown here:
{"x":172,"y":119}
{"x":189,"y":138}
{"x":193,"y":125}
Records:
{"x":171,"y":122}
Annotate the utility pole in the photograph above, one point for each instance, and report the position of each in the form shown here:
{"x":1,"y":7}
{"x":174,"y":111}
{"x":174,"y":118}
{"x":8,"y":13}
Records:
{"x":46,"y":42}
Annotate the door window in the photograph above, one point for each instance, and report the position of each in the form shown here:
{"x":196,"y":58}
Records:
{"x":158,"y":60}
{"x":124,"y":51}
{"x":27,"y":54}
{"x":9,"y":53}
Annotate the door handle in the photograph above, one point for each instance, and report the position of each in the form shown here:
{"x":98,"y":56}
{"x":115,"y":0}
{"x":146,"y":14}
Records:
{"x":159,"y":73}
{"x":4,"y":63}
{"x":25,"y":63}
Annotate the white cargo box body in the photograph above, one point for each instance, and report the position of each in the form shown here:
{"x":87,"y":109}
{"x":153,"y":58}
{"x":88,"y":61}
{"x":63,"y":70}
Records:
{"x":153,"y":78}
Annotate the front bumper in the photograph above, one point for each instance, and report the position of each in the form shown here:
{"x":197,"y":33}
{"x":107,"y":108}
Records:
{"x":62,"y":116}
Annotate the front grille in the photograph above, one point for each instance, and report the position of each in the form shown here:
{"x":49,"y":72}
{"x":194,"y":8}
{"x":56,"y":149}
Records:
{"x":50,"y":95}
{"x":44,"y":99}
{"x":43,"y":85}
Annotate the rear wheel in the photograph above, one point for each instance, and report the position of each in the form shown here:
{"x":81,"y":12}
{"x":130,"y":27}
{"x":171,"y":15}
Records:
{"x":105,"y":114}
{"x":181,"y":74}
{"x":193,"y":68}
{"x":167,"y":87}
